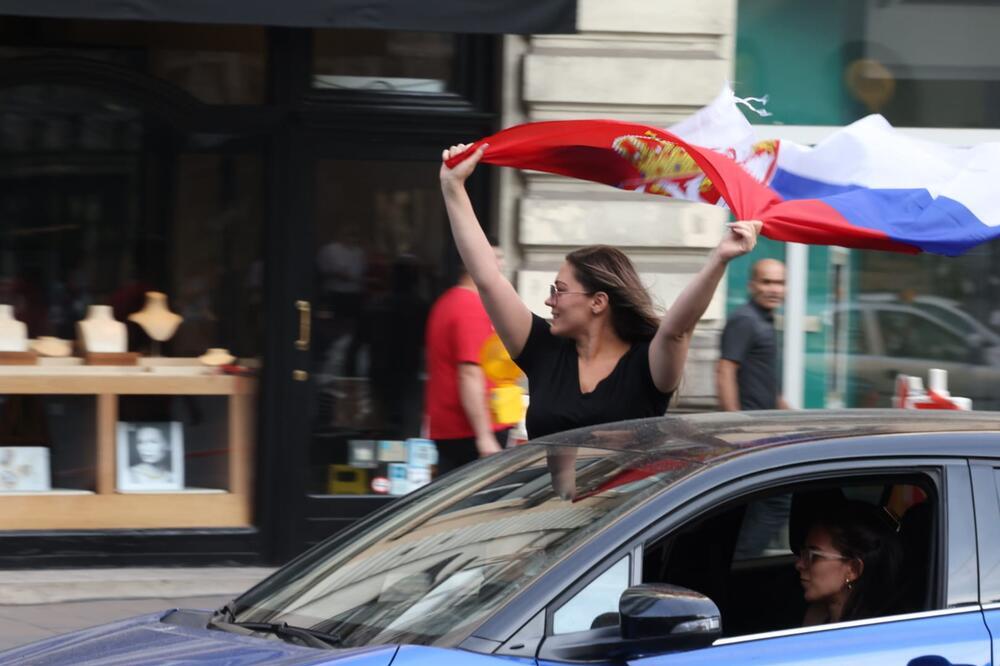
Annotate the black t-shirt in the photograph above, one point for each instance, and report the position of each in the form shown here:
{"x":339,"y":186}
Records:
{"x":551,"y":364}
{"x":749,"y":339}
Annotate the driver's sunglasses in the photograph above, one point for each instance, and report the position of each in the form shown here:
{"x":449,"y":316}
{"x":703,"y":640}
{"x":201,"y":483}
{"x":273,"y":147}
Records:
{"x":555,"y":292}
{"x":810,"y":555}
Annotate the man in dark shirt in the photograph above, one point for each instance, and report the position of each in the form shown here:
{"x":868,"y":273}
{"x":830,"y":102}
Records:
{"x":747,"y":378}
{"x":747,"y":372}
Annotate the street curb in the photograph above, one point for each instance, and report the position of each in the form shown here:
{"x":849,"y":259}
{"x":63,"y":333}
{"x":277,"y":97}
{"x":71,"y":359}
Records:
{"x":57,"y":585}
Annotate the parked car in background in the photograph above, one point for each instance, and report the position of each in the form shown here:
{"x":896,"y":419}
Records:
{"x":880,"y":339}
{"x":621,"y":544}
{"x":950,"y":313}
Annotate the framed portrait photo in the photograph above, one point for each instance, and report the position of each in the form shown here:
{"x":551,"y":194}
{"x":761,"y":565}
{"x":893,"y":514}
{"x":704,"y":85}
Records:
{"x":150,"y":456}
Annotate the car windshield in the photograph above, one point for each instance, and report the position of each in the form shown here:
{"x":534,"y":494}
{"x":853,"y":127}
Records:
{"x":432,"y":567}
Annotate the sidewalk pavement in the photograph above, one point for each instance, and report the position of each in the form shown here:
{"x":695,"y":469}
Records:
{"x":38,"y":604}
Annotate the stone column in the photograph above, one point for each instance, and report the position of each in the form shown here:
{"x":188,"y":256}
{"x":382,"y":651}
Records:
{"x":635,"y":60}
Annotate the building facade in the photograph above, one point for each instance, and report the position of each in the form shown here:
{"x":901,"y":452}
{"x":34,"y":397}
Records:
{"x":653,"y":63}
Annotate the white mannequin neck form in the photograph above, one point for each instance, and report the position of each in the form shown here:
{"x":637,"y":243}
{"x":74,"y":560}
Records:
{"x":13,"y":333}
{"x":100,"y":332}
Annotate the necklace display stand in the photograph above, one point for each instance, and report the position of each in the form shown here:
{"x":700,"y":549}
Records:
{"x":104,"y":339}
{"x":216,"y":356}
{"x":13,"y":333}
{"x":157,"y":320}
{"x":14,"y":339}
{"x":47,"y":345}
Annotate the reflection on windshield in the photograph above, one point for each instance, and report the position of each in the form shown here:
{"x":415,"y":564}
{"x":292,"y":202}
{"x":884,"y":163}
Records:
{"x":440,"y":563}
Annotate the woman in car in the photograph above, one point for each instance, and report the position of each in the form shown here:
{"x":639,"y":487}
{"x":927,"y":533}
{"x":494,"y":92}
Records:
{"x":606,"y":356}
{"x":849,"y":564}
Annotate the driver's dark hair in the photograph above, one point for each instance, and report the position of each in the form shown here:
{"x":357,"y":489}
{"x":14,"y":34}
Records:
{"x":608,"y":269}
{"x":866,"y":532}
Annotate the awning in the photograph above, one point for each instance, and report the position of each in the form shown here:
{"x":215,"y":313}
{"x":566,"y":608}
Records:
{"x":472,"y":16}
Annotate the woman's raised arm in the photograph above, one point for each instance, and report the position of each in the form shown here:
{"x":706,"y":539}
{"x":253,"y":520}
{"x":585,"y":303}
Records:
{"x":669,"y":348}
{"x":510,"y":316}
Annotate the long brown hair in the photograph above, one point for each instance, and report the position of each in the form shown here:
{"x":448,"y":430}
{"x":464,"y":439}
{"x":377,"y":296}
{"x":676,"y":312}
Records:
{"x":608,"y":269}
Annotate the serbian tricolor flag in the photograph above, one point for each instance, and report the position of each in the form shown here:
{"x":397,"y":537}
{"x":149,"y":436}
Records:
{"x":866,"y":186}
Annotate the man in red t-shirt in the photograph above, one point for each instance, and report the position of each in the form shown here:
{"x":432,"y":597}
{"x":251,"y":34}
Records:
{"x":456,"y":397}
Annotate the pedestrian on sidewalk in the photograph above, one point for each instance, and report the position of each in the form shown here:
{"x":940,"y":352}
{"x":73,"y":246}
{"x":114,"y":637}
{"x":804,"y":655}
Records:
{"x":456,"y":397}
{"x":747,"y":372}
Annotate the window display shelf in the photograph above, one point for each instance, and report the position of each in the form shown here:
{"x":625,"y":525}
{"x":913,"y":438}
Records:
{"x":124,"y":511}
{"x":108,"y":508}
{"x":85,"y":380}
{"x":40,"y":493}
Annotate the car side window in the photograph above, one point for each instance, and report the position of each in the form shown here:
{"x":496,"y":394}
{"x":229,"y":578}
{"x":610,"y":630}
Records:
{"x":857,"y":337}
{"x":906,"y":335}
{"x":597,"y":603}
{"x":744,"y":556}
{"x":764,"y":532}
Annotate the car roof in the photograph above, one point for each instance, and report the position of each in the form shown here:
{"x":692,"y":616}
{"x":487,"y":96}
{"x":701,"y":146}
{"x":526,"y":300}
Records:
{"x":707,"y":437}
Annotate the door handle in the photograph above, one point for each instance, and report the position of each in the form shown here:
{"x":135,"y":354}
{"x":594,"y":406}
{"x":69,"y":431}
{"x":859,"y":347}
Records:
{"x":305,"y":325}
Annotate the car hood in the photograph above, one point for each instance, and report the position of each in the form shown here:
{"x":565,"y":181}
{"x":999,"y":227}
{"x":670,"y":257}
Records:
{"x":147,"y":639}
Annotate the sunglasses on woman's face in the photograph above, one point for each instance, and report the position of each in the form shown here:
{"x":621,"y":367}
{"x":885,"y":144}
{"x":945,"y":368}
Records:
{"x":555,"y":292}
{"x":811,"y":555}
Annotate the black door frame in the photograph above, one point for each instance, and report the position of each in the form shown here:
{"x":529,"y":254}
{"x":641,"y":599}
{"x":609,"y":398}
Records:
{"x":337,"y":125}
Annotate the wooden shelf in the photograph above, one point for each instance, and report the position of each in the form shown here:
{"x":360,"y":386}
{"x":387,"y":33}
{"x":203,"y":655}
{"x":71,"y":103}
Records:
{"x":121,"y":511}
{"x":107,"y":508}
{"x":122,"y":382}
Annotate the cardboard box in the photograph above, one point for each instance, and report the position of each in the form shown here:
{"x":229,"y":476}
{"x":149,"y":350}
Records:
{"x":421,"y":452}
{"x":391,"y":451}
{"x":399,"y":483}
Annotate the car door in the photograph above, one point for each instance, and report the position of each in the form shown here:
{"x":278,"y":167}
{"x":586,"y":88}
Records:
{"x":954,"y":634}
{"x":986,"y":486}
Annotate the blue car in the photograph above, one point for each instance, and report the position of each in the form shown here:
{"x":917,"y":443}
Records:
{"x":672,"y":541}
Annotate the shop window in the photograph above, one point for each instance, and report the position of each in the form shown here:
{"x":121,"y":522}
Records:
{"x":383,"y":61}
{"x":217,"y":64}
{"x":93,"y":212}
{"x":108,"y":217}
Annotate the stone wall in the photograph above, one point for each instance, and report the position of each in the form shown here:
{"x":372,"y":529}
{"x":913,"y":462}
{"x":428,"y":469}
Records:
{"x":650,"y":62}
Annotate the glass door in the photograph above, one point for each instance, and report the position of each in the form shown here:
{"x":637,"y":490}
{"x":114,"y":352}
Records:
{"x":382,"y":253}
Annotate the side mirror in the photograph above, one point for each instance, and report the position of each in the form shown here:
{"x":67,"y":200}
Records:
{"x":667,"y":615}
{"x":654,"y":619}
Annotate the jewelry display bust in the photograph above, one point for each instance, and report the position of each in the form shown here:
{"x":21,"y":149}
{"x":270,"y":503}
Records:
{"x":155,"y":317}
{"x":100,"y":332}
{"x":13,"y":333}
{"x":216,"y":356}
{"x":49,"y":346}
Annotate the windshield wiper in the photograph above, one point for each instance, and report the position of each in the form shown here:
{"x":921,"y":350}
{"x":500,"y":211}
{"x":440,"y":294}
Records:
{"x":311,"y":637}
